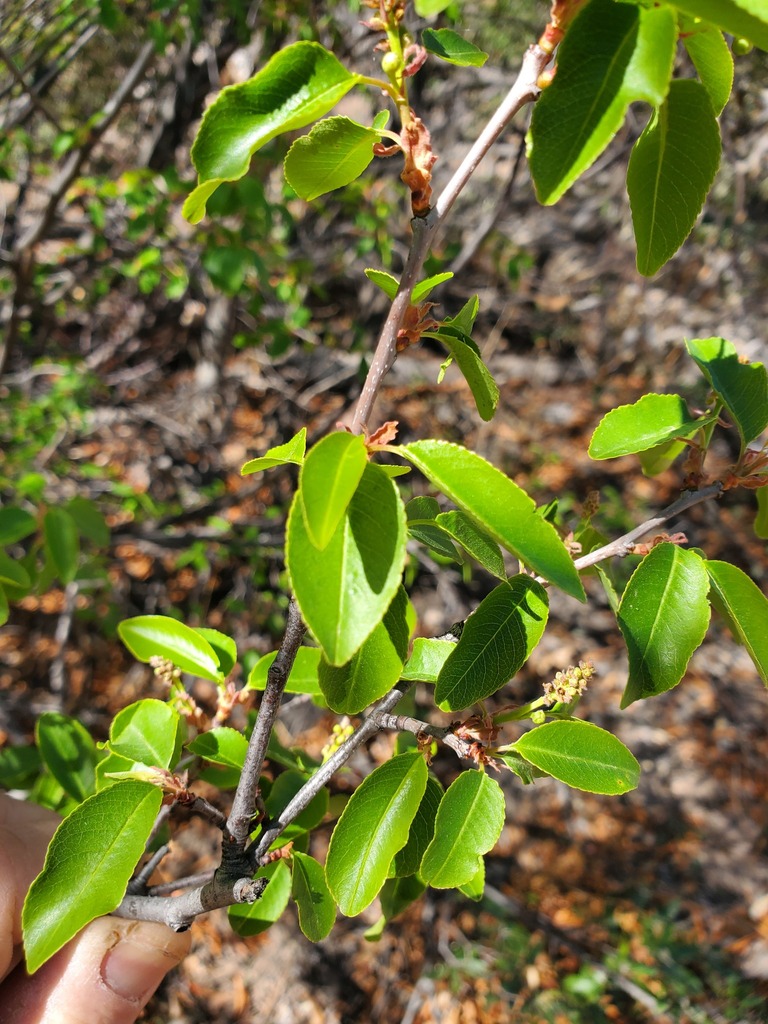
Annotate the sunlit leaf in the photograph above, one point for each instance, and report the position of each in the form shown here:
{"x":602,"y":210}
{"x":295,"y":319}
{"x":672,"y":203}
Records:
{"x":745,"y":609}
{"x":292,"y":452}
{"x":742,"y":386}
{"x":651,"y":421}
{"x":581,"y":755}
{"x":148,"y":636}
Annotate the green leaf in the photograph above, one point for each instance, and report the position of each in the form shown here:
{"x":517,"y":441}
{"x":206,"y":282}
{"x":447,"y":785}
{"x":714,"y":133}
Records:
{"x":374,"y":668}
{"x":427,"y":659}
{"x":421,"y":291}
{"x":317,"y":911}
{"x":475,"y":541}
{"x":407,"y":860}
{"x":656,"y":460}
{"x":397,"y":895}
{"x":612,"y":55}
{"x":68,"y":752}
{"x":429,"y":8}
{"x":475,"y":887}
{"x":670,"y":172}
{"x":421,"y":514}
{"x":13,"y":573}
{"x":285,"y":788}
{"x":15,"y":524}
{"x":740,"y":18}
{"x":221,"y":746}
{"x":464,"y":320}
{"x":745,"y":609}
{"x":581,"y":755}
{"x":383,"y":280}
{"x":224,"y":648}
{"x":19,"y":767}
{"x":328,"y":479}
{"x":292,"y":452}
{"x":651,"y":421}
{"x":302,"y":677}
{"x":663,"y":615}
{"x":335,"y":152}
{"x":254,"y":918}
{"x":743,"y":387}
{"x":372,"y":828}
{"x":87,"y":867}
{"x":761,"y":519}
{"x":5,"y":609}
{"x":149,"y":731}
{"x":294,"y":757}
{"x":497,"y":640}
{"x":500,"y":507}
{"x":451,"y":47}
{"x":465,"y":352}
{"x":62,"y":542}
{"x":148,"y":636}
{"x":469,"y":823}
{"x":711,"y":58}
{"x":344,"y":590}
{"x":298,"y":85}
{"x":89,"y":521}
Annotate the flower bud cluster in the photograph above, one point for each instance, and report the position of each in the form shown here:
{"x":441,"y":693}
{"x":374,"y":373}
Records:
{"x":339,"y":734}
{"x":165,"y":670}
{"x":568,"y":685}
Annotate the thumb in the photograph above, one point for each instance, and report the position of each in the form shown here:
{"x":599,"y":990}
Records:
{"x":104,"y":976}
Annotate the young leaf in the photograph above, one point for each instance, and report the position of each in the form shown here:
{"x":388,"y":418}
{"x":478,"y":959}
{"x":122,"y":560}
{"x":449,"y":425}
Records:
{"x":254,"y":918}
{"x":451,"y":47}
{"x":500,"y":507}
{"x":147,"y":636}
{"x":475,"y":887}
{"x":711,"y":58}
{"x":373,"y":669}
{"x":344,"y":590}
{"x":581,"y":755}
{"x":407,"y":860}
{"x":221,"y":746}
{"x":62,"y":542}
{"x":475,"y":541}
{"x":421,"y":290}
{"x":69,"y":753}
{"x":87,"y":867}
{"x":469,"y":822}
{"x":427,"y":659}
{"x":334,"y":153}
{"x":224,"y":648}
{"x":317,"y":911}
{"x":464,"y":320}
{"x":372,"y":828}
{"x":745,"y":609}
{"x":497,"y":639}
{"x":15,"y":525}
{"x":297,"y":86}
{"x":612,"y":55}
{"x":743,"y":387}
{"x":292,"y":452}
{"x":465,"y":352}
{"x":651,"y":421}
{"x":746,"y":19}
{"x":302,"y":677}
{"x":670,"y":172}
{"x":149,"y":731}
{"x":328,"y":479}
{"x":664,"y":614}
{"x":383,"y":280}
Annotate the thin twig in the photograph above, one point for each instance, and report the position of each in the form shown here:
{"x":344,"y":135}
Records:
{"x":404,"y":723}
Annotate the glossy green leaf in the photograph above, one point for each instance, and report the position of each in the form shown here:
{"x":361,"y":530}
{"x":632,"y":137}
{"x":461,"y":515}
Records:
{"x":374,"y":668}
{"x":421,"y":291}
{"x":740,"y":18}
{"x":302,"y":677}
{"x":290,"y":453}
{"x":148,"y":636}
{"x":663,"y":615}
{"x":285,"y":788}
{"x":224,"y":648}
{"x":711,"y":57}
{"x":429,"y":8}
{"x":15,"y":524}
{"x":467,"y":357}
{"x":221,"y":746}
{"x":475,"y":541}
{"x":328,"y":479}
{"x":89,"y":521}
{"x":372,"y":828}
{"x":62,"y":542}
{"x":383,"y":280}
{"x":612,"y":55}
{"x":761,"y":519}
{"x":68,"y":752}
{"x":581,"y":755}
{"x":254,"y":918}
{"x":497,"y":640}
{"x":475,"y":887}
{"x":344,"y":590}
{"x":333,"y":154}
{"x":317,"y":911}
{"x":670,"y":172}
{"x":13,"y":572}
{"x":651,"y":421}
{"x":301,"y":83}
{"x":500,"y":507}
{"x":427,"y":659}
{"x":87,"y":867}
{"x":407,"y":860}
{"x":743,"y":387}
{"x":745,"y":609}
{"x":469,"y":823}
{"x":451,"y":47}
{"x":150,"y":731}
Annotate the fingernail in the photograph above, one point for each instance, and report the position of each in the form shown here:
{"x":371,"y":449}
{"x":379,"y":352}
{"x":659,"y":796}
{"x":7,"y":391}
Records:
{"x":132,"y":969}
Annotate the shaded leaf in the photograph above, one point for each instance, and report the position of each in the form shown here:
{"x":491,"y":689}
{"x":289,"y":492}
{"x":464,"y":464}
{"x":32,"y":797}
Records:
{"x":745,"y":609}
{"x":254,"y":918}
{"x":407,"y":860}
{"x":62,"y":542}
{"x":743,"y":387}
{"x":741,"y":18}
{"x":451,"y":47}
{"x":466,"y":354}
{"x":711,"y":58}
{"x":68,"y":752}
{"x":317,"y":911}
{"x":475,"y":541}
{"x":15,"y":524}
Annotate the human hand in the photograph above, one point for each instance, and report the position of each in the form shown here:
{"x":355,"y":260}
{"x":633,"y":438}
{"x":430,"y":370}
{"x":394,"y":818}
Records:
{"x":103,"y":976}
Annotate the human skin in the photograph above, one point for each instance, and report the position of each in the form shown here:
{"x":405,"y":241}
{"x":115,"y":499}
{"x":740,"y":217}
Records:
{"x":105,"y":975}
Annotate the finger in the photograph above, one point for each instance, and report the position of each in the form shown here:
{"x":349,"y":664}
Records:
{"x":104,"y":976}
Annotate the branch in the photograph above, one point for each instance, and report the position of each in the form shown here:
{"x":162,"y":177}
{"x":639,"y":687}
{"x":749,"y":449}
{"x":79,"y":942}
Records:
{"x":403,"y":723}
{"x":524,"y":91}
{"x":178,"y":912}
